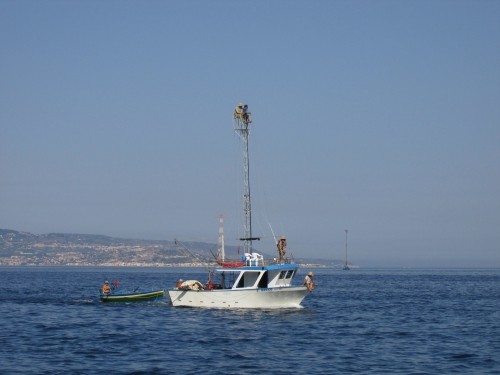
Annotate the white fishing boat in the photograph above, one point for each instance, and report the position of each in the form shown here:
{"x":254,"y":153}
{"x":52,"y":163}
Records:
{"x":243,"y":287}
{"x":248,"y":282}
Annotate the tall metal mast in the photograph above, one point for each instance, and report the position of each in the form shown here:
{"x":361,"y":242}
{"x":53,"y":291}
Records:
{"x":243,"y":131}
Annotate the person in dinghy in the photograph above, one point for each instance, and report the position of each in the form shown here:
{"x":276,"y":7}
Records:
{"x":106,"y":289}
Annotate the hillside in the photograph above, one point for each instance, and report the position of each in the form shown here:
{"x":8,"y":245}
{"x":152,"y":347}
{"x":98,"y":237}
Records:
{"x":23,"y":248}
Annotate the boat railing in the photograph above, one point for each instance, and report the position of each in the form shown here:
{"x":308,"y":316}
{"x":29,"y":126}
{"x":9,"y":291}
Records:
{"x":252,"y":260}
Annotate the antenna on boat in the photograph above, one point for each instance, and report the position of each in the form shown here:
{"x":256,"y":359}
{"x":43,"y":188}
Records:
{"x":243,"y":130}
{"x":220,"y":245}
{"x":272,"y":231}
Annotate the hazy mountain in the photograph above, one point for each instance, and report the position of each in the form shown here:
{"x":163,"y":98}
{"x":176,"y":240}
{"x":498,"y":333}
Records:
{"x":18,"y":248}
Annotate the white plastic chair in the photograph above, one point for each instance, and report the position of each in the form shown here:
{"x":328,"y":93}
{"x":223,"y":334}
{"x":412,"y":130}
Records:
{"x":248,"y":259}
{"x":257,"y":257}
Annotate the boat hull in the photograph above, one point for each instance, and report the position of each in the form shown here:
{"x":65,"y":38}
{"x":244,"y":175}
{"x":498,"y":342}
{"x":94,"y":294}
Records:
{"x":246,"y":298}
{"x":155,"y":295}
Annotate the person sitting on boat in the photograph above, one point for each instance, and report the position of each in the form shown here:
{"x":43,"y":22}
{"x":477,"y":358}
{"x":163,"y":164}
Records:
{"x":106,"y":289}
{"x":309,"y":282}
{"x":281,"y":248}
{"x":238,"y":112}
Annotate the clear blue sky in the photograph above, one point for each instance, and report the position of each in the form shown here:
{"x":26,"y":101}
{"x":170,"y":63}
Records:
{"x":382,"y":117}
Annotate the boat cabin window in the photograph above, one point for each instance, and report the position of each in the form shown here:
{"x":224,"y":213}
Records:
{"x":241,"y":283}
{"x":289,"y":274}
{"x":248,"y":279}
{"x":263,"y":281}
{"x":282,"y":274}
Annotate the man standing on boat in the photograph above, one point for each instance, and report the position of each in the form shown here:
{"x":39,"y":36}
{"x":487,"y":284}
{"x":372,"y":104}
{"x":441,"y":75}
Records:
{"x":281,"y":248}
{"x":309,"y":282}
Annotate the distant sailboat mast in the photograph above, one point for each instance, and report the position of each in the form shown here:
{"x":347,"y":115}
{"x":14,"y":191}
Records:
{"x":346,"y":267}
{"x":346,"y":247}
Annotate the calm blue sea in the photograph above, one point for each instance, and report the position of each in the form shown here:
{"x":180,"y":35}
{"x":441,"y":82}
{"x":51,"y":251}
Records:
{"x":363,"y":321}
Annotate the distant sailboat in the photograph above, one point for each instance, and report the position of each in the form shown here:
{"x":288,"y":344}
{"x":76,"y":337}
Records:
{"x":346,"y":267}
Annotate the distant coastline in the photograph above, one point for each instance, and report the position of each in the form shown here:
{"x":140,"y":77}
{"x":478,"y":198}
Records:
{"x":57,"y":249}
{"x":145,"y":265}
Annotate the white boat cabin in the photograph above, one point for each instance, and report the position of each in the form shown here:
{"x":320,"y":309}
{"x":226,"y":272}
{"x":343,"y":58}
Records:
{"x":255,"y":277}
